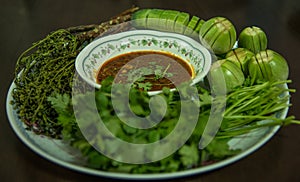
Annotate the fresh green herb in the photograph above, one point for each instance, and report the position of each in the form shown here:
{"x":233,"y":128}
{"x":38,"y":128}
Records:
{"x":143,"y":74}
{"x":161,"y":74}
{"x":247,"y":106}
{"x":187,"y":157}
{"x":144,"y":86}
{"x":241,"y":111}
{"x":217,"y":150}
{"x":62,"y":105}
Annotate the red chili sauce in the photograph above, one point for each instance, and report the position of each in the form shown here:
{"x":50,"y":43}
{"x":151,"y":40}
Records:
{"x":147,"y":70}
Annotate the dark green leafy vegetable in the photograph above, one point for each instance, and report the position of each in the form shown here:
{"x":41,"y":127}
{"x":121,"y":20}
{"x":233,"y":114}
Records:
{"x":188,"y":156}
{"x":241,"y":110}
{"x":217,"y":150}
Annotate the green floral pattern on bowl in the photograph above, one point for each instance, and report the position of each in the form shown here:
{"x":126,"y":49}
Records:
{"x":95,"y":54}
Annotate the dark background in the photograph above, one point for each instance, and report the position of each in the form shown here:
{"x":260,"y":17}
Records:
{"x":25,"y":21}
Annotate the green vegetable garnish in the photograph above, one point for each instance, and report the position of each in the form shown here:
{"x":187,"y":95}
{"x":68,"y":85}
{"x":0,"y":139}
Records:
{"x":245,"y":106}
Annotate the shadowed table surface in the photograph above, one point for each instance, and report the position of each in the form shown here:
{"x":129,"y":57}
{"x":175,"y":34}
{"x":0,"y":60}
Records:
{"x":26,"y":21}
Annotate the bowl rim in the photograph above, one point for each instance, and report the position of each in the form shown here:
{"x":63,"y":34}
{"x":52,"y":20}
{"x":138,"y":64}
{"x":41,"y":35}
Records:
{"x":195,"y":45}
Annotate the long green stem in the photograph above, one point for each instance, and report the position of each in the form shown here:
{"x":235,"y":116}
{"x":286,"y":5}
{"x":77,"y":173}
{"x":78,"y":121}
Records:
{"x":246,"y":129}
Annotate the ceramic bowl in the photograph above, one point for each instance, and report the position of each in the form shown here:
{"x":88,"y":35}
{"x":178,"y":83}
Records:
{"x":91,"y":58}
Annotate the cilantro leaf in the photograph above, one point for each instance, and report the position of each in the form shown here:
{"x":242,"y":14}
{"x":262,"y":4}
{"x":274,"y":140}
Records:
{"x":66,"y":119}
{"x":60,"y":102}
{"x":219,"y":149}
{"x":189,"y":155}
{"x":144,"y":86}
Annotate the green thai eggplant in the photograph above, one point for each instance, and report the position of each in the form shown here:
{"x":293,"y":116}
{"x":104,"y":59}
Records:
{"x":268,"y":66}
{"x":224,"y":76}
{"x":240,"y":56}
{"x":254,"y":39}
{"x":218,"y":34}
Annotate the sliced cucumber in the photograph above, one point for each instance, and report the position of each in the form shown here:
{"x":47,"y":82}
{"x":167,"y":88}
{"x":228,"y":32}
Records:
{"x":198,"y":27}
{"x":153,"y":18}
{"x":168,"y":18}
{"x":190,"y":29}
{"x":140,"y":18}
{"x":181,"y":22}
{"x":161,"y":25}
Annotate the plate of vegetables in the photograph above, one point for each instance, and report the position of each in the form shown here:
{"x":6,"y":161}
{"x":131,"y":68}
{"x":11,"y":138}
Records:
{"x":40,"y":106}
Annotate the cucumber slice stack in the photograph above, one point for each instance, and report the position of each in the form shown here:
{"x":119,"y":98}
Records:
{"x":154,"y":18}
{"x":168,"y":21}
{"x":217,"y":34}
{"x":172,"y":16}
{"x":198,"y":27}
{"x":191,"y":27}
{"x":140,"y":18}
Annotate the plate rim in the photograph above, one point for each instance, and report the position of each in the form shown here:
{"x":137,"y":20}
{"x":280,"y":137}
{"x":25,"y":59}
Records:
{"x":127,"y":176}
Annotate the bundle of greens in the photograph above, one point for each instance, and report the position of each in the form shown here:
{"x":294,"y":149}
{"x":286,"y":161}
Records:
{"x":242,"y":110}
{"x":48,"y":67}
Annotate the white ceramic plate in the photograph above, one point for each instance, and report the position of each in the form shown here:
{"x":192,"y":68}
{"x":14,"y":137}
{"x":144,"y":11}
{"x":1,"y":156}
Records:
{"x":62,"y":154}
